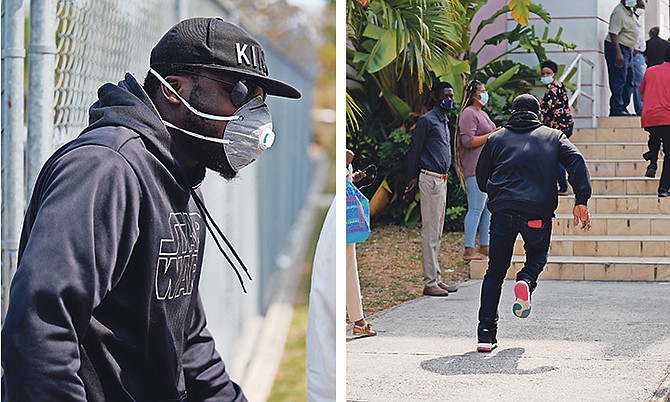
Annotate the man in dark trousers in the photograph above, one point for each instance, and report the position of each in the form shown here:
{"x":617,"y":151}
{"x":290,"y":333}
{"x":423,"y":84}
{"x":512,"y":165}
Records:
{"x":656,"y":119}
{"x":619,"y":43}
{"x":517,"y":169}
{"x":655,"y":48}
{"x":104,"y":305}
{"x":428,"y":164}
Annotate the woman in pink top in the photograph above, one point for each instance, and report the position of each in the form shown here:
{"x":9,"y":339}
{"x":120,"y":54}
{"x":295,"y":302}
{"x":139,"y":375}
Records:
{"x":474,"y":128}
{"x":655,"y":88}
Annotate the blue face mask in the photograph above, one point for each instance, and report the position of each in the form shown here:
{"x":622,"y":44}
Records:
{"x":447,"y":104}
{"x":547,"y":80}
{"x":484,"y":98}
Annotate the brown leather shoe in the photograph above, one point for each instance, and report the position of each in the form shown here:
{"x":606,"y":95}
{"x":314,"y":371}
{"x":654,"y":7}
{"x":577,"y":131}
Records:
{"x":448,"y":288}
{"x":470,"y":254}
{"x":434,"y":291}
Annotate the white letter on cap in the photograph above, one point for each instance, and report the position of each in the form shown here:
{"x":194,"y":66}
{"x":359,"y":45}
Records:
{"x":241,"y":53}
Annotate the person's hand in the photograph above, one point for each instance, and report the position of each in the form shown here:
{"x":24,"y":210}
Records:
{"x":582,"y":216}
{"x":350,"y":156}
{"x":410,"y":190}
{"x":618,"y":60}
{"x":358,"y":176}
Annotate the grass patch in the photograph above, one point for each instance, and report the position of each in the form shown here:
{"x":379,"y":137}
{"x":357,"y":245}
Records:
{"x":291,"y":381}
{"x":390,"y":265}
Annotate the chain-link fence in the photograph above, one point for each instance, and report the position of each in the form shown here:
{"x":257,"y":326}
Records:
{"x":98,"y":41}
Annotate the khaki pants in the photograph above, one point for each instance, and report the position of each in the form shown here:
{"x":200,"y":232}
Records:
{"x":354,"y":303}
{"x":433,"y":192}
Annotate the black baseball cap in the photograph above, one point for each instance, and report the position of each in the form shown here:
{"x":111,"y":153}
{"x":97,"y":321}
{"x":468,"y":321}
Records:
{"x":220,"y":45}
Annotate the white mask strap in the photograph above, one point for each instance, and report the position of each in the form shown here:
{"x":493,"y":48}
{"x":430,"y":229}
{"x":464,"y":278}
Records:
{"x":191,"y":108}
{"x":199,"y":136}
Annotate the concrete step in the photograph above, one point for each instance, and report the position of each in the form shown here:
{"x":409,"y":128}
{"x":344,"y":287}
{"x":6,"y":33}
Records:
{"x":605,"y":246}
{"x":619,"y":122}
{"x":615,"y":225}
{"x":624,"y":185}
{"x":620,"y":168}
{"x":612,"y":151}
{"x":618,"y":204}
{"x":627,"y":134}
{"x":590,"y":268}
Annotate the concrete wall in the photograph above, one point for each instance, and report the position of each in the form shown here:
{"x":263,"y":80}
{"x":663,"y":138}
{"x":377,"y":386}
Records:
{"x":499,"y":25}
{"x":658,"y":14}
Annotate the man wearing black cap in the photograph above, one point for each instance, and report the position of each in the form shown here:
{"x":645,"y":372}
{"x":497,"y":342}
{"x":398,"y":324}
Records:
{"x":104,"y":304}
{"x":517,"y":169}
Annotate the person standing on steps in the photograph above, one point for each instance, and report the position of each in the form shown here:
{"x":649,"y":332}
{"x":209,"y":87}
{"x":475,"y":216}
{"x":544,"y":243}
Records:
{"x":517,"y":169}
{"x":619,"y":43}
{"x":637,"y":64}
{"x":655,"y":48}
{"x":654,"y":54}
{"x":654,"y":89}
{"x":474,"y":128}
{"x":555,"y":112}
{"x":428,"y":163}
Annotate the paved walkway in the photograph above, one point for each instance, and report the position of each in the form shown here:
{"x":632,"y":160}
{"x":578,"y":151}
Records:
{"x":584,"y":341}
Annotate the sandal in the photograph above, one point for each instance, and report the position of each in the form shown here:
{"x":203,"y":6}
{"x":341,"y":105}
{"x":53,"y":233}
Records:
{"x":474,"y":256}
{"x":363,"y":330}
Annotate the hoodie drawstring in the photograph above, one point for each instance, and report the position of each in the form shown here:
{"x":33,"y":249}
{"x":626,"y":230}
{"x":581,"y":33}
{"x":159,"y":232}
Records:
{"x":208,"y":218}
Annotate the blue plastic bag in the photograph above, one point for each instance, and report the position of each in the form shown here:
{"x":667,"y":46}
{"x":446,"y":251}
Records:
{"x":358,"y":215}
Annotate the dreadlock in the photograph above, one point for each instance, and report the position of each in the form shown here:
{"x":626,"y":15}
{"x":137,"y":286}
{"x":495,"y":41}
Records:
{"x":470,"y":90}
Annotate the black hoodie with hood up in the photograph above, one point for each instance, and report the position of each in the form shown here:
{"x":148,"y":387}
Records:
{"x":517,"y":167}
{"x":104,"y":304}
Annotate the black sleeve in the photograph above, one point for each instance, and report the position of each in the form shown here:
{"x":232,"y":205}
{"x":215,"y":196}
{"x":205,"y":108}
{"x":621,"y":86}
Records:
{"x":484,"y":166}
{"x":205,"y":372}
{"x":578,"y":172}
{"x":79,"y":242}
{"x":415,"y":148}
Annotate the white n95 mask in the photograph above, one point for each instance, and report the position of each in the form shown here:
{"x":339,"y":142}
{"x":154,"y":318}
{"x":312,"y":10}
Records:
{"x":247,"y":134}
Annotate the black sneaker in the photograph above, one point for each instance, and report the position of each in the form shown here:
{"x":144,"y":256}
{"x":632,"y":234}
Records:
{"x":663,"y":192}
{"x":486,"y":340}
{"x":651,"y":170}
{"x":647,"y":156}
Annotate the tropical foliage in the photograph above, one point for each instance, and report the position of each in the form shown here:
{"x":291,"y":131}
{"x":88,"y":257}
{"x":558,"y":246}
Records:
{"x":396,"y":49}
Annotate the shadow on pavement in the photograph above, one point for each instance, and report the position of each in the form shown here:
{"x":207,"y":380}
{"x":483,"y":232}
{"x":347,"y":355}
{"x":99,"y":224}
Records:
{"x":506,"y":361}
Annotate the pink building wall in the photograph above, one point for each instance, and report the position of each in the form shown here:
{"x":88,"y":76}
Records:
{"x":498,"y":26}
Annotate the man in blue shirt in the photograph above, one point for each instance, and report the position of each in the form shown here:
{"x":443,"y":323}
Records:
{"x":428,"y":163}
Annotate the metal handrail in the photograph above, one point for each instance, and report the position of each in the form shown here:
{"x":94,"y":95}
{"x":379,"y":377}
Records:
{"x":578,"y":61}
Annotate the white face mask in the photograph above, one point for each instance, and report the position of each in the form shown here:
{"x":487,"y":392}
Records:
{"x":246,"y":136}
{"x":484,"y":98}
{"x":630,"y":3}
{"x":547,"y":80}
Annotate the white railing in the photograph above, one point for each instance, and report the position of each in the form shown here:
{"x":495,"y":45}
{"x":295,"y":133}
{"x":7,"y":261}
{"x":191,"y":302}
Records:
{"x":577,"y":63}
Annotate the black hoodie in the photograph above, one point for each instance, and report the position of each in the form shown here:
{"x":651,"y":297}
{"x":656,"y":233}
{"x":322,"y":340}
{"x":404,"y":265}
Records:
{"x":104,"y":304}
{"x":517,"y":167}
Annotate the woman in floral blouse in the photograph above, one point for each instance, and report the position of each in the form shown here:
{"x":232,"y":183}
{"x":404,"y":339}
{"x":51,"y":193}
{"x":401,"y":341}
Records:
{"x":555,"y":112}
